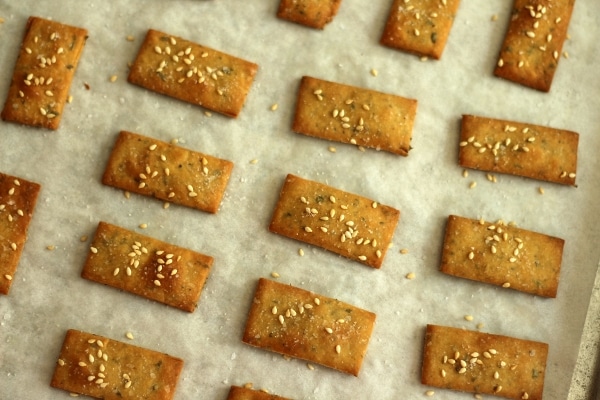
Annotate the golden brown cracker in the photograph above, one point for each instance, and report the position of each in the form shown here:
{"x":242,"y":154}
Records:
{"x":193,"y":73}
{"x":42,"y":76}
{"x":358,"y":116}
{"x":150,"y":167}
{"x":17,"y":202}
{"x":483,"y":363}
{"x":103,"y":368}
{"x":242,"y":393}
{"x":344,"y":223}
{"x":502,"y":255}
{"x":301,"y":324}
{"x":533,"y":42}
{"x":311,"y":13}
{"x":421,"y":27}
{"x":147,"y":267}
{"x":518,"y":148}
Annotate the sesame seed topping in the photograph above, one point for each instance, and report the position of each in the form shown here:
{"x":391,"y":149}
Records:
{"x":94,"y":250}
{"x":338,"y":349}
{"x":410,"y":276}
{"x":469,"y":318}
{"x":8,"y":277}
{"x":281,"y":319}
{"x":429,"y":393}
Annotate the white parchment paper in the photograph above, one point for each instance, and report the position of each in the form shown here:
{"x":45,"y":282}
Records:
{"x":48,"y":296}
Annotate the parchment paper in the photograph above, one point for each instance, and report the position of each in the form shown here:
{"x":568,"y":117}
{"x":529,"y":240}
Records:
{"x":48,"y":296}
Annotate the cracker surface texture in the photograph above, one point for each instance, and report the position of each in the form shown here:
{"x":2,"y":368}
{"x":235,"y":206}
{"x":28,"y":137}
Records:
{"x":421,"y":27}
{"x":301,"y":324}
{"x":242,"y":393}
{"x":103,"y":368}
{"x":193,"y":73}
{"x":311,"y":13}
{"x":344,"y":223}
{"x":150,"y":167}
{"x":483,"y":363}
{"x":502,"y":255}
{"x":17,"y":202}
{"x":533,"y":42}
{"x":517,"y":148}
{"x":42,"y":76}
{"x":348,"y":114}
{"x":147,"y":267}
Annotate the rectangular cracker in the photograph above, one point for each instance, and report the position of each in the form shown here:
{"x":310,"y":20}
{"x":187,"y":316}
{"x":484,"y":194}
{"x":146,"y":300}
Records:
{"x":298,"y":323}
{"x":311,"y":13}
{"x":502,"y":255}
{"x":147,"y":267}
{"x":516,"y":148}
{"x":347,"y":114}
{"x":420,"y":27}
{"x":192,"y":73}
{"x":17,"y":202}
{"x":43,"y":73}
{"x":103,"y":368}
{"x":483,"y":363}
{"x":150,"y":167}
{"x":533,"y":43}
{"x":343,"y":223}
{"x":242,"y":393}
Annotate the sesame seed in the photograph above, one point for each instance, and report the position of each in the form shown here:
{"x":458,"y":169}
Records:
{"x":274,"y":274}
{"x":281,"y":320}
{"x":462,"y":370}
{"x":338,"y":349}
{"x":473,"y":185}
{"x":468,"y":318}
{"x":471,"y":255}
{"x":91,"y":358}
{"x":308,"y":306}
{"x":300,"y":252}
{"x":307,"y":229}
{"x":410,"y":276}
{"x":156,"y":282}
{"x":374,"y":72}
{"x":329,"y":330}
{"x":94,"y":250}
{"x":429,"y":393}
{"x":362,"y":258}
{"x":8,"y":277}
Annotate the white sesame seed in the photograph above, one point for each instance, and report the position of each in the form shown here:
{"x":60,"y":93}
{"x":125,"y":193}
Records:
{"x":338,"y":349}
{"x":281,"y":320}
{"x":410,"y":276}
{"x":429,"y":393}
{"x":156,"y":282}
{"x":8,"y":277}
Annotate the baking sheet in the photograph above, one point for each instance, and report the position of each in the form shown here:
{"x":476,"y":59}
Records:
{"x":48,"y":296}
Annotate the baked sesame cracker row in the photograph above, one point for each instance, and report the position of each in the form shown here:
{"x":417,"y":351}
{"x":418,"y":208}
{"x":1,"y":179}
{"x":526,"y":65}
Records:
{"x":192,"y":73}
{"x":17,"y":202}
{"x":341,"y":222}
{"x":421,"y":27}
{"x":502,"y":255}
{"x":242,"y":393}
{"x":483,"y":363}
{"x":311,"y":13}
{"x":533,"y":42}
{"x":43,"y":73}
{"x":103,"y":368}
{"x":167,"y":172}
{"x":348,"y":114}
{"x":298,"y":323}
{"x":147,"y":267}
{"x":517,"y":148}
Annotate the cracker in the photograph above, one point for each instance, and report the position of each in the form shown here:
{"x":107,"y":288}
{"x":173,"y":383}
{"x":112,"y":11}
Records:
{"x":43,"y":73}
{"x":298,"y":323}
{"x":341,"y":222}
{"x":516,"y":148}
{"x":358,"y":116}
{"x":502,"y":255}
{"x":241,"y":393}
{"x":311,"y":13}
{"x":533,"y":43}
{"x":147,"y":267}
{"x":483,"y":363}
{"x":103,"y":368}
{"x":420,"y":27}
{"x":17,"y":202}
{"x":192,"y":73}
{"x":150,"y":167}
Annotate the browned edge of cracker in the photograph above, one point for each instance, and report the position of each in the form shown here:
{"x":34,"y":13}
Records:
{"x":483,"y":363}
{"x":17,"y":203}
{"x":178,"y":175}
{"x":192,"y":73}
{"x":308,"y":13}
{"x":147,"y":267}
{"x":299,"y":323}
{"x":518,"y":148}
{"x":354,"y":115}
{"x":119,"y":370}
{"x":344,"y":223}
{"x":42,"y":76}
{"x":502,"y":255}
